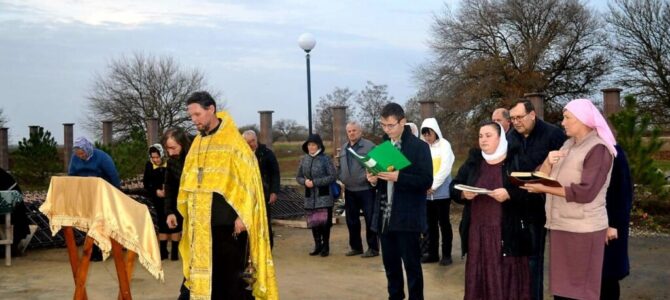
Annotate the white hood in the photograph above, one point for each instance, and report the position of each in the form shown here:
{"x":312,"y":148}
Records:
{"x":432,"y":124}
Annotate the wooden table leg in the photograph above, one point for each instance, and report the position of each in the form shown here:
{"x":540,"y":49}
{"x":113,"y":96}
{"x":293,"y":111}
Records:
{"x":82,"y":270}
{"x":74,"y":256}
{"x":121,"y":274}
{"x":130,"y":267}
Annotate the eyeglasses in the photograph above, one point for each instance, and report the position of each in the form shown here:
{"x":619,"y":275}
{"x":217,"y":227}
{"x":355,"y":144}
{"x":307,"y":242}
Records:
{"x":388,"y":126}
{"x":517,"y":118}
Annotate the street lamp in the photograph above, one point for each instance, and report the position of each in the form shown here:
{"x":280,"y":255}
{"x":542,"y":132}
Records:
{"x":307,"y":43}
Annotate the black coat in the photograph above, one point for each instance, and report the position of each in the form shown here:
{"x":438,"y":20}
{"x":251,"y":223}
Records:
{"x":619,"y":201}
{"x":515,"y":237}
{"x":153,"y":180}
{"x":532,"y":151}
{"x":175,"y":165}
{"x":408,"y":212}
{"x":269,"y":167}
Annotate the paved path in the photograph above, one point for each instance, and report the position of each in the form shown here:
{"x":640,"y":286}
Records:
{"x":45,"y":274}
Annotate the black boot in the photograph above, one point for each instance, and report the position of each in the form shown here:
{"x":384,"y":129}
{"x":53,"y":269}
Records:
{"x":325,"y":249}
{"x":174,"y":254}
{"x":317,"y":242}
{"x":163,"y":248}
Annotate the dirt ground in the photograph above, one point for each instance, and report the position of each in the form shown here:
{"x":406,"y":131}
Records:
{"x":46,"y":274}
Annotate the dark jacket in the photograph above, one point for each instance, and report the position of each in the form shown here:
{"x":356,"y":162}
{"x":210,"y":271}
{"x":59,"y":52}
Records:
{"x":408,"y":210}
{"x":172,"y":179}
{"x":619,"y":201}
{"x":269,"y":167}
{"x":321,"y":171}
{"x":153,"y":180}
{"x":100,"y":164}
{"x":533,"y":150}
{"x":515,"y":235}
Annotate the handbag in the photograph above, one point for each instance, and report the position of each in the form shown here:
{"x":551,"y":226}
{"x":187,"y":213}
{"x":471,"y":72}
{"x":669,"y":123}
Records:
{"x":335,"y":190}
{"x":316,"y":217}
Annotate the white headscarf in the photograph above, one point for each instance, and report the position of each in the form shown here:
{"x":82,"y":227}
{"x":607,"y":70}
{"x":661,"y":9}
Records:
{"x":502,"y":147}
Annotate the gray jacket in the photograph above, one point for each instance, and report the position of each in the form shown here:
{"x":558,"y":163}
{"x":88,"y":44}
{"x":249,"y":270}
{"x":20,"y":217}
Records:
{"x":351,"y":173}
{"x":321,"y":171}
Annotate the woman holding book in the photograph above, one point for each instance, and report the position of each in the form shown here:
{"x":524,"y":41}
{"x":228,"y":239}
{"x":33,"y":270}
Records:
{"x":493,"y":231}
{"x":576,"y":213}
{"x":316,"y":172}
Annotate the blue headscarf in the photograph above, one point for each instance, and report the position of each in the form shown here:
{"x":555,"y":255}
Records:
{"x":85,"y":145}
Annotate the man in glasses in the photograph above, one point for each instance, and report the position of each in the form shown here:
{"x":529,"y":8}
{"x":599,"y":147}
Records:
{"x":400,"y":206}
{"x":535,"y":138}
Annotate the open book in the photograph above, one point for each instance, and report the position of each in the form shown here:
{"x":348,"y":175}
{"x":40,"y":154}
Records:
{"x":382,"y":158}
{"x":472,"y":189}
{"x":521,"y":178}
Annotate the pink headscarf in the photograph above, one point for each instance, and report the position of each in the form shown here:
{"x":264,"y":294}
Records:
{"x":587,"y":113}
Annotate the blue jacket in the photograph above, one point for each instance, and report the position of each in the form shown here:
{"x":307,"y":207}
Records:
{"x":408,"y":211}
{"x":619,"y":201}
{"x":100,"y":164}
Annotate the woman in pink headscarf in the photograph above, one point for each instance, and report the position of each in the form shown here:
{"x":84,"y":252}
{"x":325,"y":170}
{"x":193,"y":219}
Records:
{"x":576,"y":214}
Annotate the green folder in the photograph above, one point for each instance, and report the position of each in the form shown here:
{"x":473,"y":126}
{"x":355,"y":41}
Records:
{"x":383,"y":158}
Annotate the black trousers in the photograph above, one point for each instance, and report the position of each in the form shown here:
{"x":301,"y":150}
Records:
{"x":268,"y":212}
{"x":228,"y":261}
{"x":354,"y":203}
{"x":398,"y":249}
{"x":438,"y":215}
{"x":609,"y":289}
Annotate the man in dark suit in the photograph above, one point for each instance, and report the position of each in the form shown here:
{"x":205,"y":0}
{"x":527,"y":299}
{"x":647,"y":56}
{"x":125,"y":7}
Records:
{"x":400,"y":206}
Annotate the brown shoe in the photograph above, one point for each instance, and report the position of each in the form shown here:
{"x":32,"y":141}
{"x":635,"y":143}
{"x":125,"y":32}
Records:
{"x":354,"y":252}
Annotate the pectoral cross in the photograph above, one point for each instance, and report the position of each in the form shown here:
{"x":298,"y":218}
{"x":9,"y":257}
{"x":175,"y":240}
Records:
{"x":200,"y":175}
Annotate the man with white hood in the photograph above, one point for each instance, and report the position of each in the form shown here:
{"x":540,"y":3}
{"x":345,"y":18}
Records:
{"x":438,"y":195}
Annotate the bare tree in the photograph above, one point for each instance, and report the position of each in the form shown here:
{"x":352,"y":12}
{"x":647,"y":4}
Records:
{"x":289,"y":130}
{"x":641,"y":41}
{"x":138,"y":87}
{"x":491,"y":52}
{"x":324,"y":121}
{"x":371,"y":100}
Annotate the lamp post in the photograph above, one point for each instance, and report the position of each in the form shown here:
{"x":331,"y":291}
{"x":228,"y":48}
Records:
{"x":307,"y":42}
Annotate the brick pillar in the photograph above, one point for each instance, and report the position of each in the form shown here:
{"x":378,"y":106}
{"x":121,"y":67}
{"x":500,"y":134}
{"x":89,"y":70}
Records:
{"x":538,"y":102}
{"x":611,"y":101}
{"x":265,"y":136}
{"x":4,"y":148}
{"x":152,"y":131}
{"x":107,"y":132}
{"x":339,"y":128}
{"x":33,"y":129}
{"x":68,"y":142}
{"x":427,"y":110}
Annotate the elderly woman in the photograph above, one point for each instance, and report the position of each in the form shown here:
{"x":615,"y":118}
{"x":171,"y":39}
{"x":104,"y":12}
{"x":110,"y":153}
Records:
{"x":576,"y":213}
{"x":492,"y":229}
{"x":87,"y":161}
{"x":316,"y":172}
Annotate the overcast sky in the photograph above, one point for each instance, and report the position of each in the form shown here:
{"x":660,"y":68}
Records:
{"x":50,"y":50}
